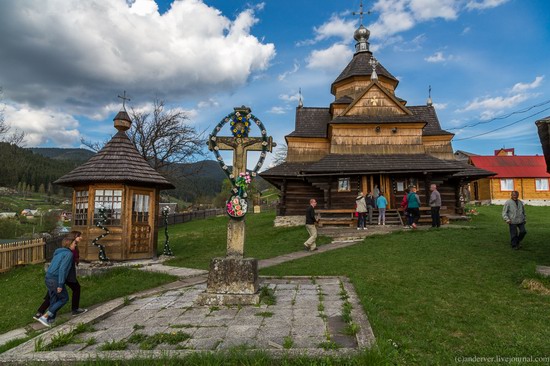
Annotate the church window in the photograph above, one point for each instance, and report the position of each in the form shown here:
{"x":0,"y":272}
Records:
{"x":343,"y":185}
{"x":140,"y":208}
{"x":541,"y":184}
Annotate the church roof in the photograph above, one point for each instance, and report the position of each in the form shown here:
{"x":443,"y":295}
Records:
{"x":338,"y":164}
{"x":312,"y":122}
{"x":359,"y":66}
{"x":117,"y":162}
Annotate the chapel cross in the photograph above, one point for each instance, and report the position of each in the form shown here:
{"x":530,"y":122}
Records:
{"x":361,"y":12}
{"x":124,"y":99}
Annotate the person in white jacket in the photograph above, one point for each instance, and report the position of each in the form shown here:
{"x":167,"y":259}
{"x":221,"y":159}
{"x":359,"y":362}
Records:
{"x":361,"y":209}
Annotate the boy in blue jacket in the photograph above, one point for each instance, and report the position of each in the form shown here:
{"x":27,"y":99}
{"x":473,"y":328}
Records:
{"x":56,"y":275}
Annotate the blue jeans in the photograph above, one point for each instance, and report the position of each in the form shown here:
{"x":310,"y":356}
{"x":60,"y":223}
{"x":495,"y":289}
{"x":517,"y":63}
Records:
{"x":57,"y":300}
{"x":361,"y":219}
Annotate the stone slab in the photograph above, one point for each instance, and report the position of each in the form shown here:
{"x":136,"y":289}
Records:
{"x":233,"y":276}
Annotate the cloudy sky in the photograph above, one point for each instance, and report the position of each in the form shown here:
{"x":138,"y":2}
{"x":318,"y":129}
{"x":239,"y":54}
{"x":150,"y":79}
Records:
{"x":63,"y":62}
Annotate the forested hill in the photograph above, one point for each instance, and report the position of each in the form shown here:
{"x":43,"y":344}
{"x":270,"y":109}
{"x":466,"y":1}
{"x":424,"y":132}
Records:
{"x":81,"y":155}
{"x":21,"y":168}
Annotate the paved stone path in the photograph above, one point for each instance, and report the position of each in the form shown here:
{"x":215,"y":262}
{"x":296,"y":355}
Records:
{"x":306,"y":317}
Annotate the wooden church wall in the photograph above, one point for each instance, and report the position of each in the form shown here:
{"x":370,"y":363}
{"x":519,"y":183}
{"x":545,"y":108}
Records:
{"x":298,"y":194}
{"x":304,"y":150}
{"x":355,"y":87}
{"x":439,"y":149}
{"x":373,"y":140}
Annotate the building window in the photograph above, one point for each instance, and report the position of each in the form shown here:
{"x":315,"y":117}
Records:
{"x":140,"y":208}
{"x":111,"y":200}
{"x":343,"y":185}
{"x":506,"y":184}
{"x":81,"y":208}
{"x":400,"y":186}
{"x":541,"y":184}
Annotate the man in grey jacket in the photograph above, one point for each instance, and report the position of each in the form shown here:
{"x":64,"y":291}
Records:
{"x":513,"y":213}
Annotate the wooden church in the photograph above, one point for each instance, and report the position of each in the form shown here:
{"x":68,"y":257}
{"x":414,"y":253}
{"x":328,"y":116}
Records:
{"x":368,"y":137}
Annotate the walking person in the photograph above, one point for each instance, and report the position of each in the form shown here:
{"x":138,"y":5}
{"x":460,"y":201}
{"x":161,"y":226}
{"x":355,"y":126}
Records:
{"x":311,"y":220}
{"x":405,"y":211}
{"x":56,"y":277}
{"x":370,"y":206}
{"x":71,"y":282}
{"x":361,"y":209}
{"x":413,"y":206}
{"x":435,"y":206}
{"x":381,"y":203}
{"x":513,"y":213}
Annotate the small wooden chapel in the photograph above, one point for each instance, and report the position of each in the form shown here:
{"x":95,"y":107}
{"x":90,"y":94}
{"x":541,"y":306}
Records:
{"x":367,"y":138}
{"x":120,"y":181}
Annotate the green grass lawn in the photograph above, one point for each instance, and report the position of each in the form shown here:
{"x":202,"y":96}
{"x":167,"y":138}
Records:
{"x":440,"y":294}
{"x":196,"y":242}
{"x":23,"y":290}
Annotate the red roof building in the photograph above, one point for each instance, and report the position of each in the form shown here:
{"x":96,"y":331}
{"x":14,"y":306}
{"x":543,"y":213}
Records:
{"x":525,"y":174}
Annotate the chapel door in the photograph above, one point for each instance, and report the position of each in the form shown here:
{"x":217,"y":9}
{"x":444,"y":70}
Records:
{"x":141,"y":235}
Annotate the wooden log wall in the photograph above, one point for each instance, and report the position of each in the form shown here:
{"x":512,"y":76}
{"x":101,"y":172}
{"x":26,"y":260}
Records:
{"x":306,"y":150}
{"x":298,"y":195}
{"x":525,"y":186}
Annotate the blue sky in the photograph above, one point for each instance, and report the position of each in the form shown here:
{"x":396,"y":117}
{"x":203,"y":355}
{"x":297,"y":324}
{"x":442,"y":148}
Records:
{"x":63,"y":62}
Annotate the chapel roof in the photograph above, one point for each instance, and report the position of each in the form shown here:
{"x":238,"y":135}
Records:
{"x":118,"y":162}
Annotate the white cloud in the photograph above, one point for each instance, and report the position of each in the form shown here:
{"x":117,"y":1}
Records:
{"x":484,"y":4}
{"x":123,"y":47}
{"x":431,"y":9}
{"x":284,"y":75}
{"x":466,"y":30}
{"x":208,"y":103}
{"x":333,"y":58}
{"x":520,"y":87}
{"x":440,"y":106}
{"x":438,"y":57}
{"x":43,"y":125}
{"x":290,"y":97}
{"x":496,"y":103}
{"x":278,"y":110}
{"x":334,"y":27}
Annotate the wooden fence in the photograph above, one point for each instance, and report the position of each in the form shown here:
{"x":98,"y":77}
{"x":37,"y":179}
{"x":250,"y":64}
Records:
{"x":21,"y":252}
{"x":179,"y":218}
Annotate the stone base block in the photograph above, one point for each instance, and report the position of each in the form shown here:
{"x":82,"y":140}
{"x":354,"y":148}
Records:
{"x":211,"y":299}
{"x":233,"y":276}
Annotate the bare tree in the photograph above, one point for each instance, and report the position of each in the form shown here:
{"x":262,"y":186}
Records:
{"x":16,"y":137}
{"x":162,"y":137}
{"x":279,"y":156}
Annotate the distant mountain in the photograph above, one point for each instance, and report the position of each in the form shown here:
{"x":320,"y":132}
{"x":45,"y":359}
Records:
{"x":57,"y":153}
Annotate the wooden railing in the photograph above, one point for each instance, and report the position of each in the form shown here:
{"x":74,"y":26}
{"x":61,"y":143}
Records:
{"x":21,"y":252}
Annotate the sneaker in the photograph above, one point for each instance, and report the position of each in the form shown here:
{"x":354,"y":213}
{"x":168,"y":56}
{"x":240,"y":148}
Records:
{"x":358,"y":228}
{"x":37,"y":316}
{"x":45,"y":321}
{"x":314,"y":249}
{"x":79,"y":311}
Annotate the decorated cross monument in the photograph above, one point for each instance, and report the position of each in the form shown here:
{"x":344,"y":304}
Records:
{"x":233,"y":279}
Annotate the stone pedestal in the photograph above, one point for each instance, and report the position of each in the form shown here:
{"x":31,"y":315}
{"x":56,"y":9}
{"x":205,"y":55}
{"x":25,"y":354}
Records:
{"x":232,"y":281}
{"x":236,"y":231}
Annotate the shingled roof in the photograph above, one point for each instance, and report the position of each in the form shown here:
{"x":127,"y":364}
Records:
{"x":285,"y":170}
{"x":359,"y":66}
{"x":117,"y":162}
{"x":312,"y":122}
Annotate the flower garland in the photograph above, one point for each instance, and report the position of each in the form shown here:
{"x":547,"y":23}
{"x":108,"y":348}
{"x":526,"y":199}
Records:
{"x":240,"y":125}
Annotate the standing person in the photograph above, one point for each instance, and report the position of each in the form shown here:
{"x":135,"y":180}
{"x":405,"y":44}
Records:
{"x":311,"y":220}
{"x":361,"y":209}
{"x":56,"y":276}
{"x":72,"y":281}
{"x":370,"y":206}
{"x":413,"y":206}
{"x":376,"y":193}
{"x":381,"y":203}
{"x":404,"y":208}
{"x":513,"y":213}
{"x":435,"y":206}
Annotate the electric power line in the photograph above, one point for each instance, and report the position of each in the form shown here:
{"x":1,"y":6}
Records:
{"x":502,"y":117}
{"x":502,"y":127}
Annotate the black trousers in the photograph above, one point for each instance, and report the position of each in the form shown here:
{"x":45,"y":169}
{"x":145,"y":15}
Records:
{"x":517,"y":233}
{"x":436,"y":219}
{"x":75,"y":302}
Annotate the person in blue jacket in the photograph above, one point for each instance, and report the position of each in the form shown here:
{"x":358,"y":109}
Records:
{"x":56,"y":276}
